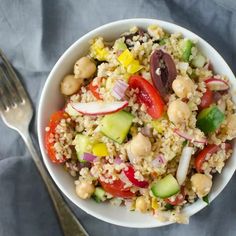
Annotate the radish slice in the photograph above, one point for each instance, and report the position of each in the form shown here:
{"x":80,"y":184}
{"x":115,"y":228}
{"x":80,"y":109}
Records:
{"x":216,"y":84}
{"x":189,"y":137}
{"x":184,"y":164}
{"x":98,"y":108}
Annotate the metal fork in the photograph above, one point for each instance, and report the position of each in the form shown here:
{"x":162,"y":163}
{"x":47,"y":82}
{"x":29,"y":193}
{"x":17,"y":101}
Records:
{"x":16,"y":111}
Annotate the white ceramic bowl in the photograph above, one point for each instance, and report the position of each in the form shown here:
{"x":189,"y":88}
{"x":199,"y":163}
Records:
{"x":51,"y":100}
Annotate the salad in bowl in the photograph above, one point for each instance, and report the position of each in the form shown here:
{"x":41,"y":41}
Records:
{"x":146,"y":123}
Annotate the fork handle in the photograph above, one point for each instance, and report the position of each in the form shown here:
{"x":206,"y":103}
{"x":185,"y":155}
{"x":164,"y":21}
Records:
{"x":69,"y":223}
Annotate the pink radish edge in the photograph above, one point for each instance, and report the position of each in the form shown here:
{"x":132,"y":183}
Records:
{"x":124,"y":104}
{"x":189,"y":137}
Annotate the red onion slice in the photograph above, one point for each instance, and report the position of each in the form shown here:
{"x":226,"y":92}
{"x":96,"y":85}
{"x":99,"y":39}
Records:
{"x":119,"y":89}
{"x":88,"y":157}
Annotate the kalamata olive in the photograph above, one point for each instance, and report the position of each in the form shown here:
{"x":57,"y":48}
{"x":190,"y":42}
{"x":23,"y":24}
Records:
{"x":163,"y":72}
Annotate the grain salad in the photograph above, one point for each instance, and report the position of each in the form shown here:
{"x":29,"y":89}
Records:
{"x":146,"y":124}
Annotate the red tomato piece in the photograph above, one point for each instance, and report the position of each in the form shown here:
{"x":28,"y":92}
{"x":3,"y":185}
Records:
{"x":178,"y":200}
{"x":209,"y":149}
{"x":49,"y":144}
{"x":147,"y":95}
{"x":207,"y":99}
{"x":117,"y":189}
{"x":130,"y":175}
{"x":93,"y":89}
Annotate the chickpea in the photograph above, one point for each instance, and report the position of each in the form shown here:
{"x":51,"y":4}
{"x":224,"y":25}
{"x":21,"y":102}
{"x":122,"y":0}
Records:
{"x":183,"y":86}
{"x":231,"y":125}
{"x":70,"y":85}
{"x":178,"y":112}
{"x":201,"y":184}
{"x":142,"y":204}
{"x":140,"y":145}
{"x":84,"y":189}
{"x":84,"y":68}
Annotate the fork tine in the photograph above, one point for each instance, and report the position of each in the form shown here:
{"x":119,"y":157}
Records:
{"x":9,"y":89}
{"x":13,"y":79}
{"x":5,"y":101}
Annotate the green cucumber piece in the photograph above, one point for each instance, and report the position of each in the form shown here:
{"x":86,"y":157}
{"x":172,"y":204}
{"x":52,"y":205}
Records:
{"x":116,"y":126}
{"x":186,"y":47}
{"x":209,"y":119}
{"x":166,"y":187}
{"x":82,"y":145}
{"x":199,"y":61}
{"x":99,"y":195}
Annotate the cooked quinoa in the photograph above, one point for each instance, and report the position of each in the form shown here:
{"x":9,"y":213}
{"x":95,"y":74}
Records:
{"x":146,"y":123}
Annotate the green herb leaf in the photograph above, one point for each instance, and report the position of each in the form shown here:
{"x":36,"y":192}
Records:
{"x":206,"y":199}
{"x":185,"y":142}
{"x":169,"y":207}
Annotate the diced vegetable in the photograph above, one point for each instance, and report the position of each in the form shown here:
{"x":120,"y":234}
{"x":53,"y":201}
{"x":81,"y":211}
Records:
{"x":117,"y":189}
{"x":209,"y":119}
{"x":134,"y":67}
{"x":199,"y":60}
{"x":100,"y":150}
{"x":116,"y":126}
{"x":189,"y":137}
{"x":99,"y":195}
{"x":98,"y":50}
{"x":154,"y":203}
{"x":184,"y":164}
{"x":156,"y":124}
{"x":216,"y":84}
{"x":98,"y":108}
{"x":166,"y":187}
{"x":186,"y":48}
{"x":130,"y":173}
{"x":88,"y":157}
{"x":94,"y":89}
{"x":127,"y":60}
{"x":208,"y":150}
{"x":207,"y":99}
{"x":147,"y":95}
{"x":119,"y":89}
{"x":119,"y":45}
{"x":82,"y":145}
{"x":179,"y":198}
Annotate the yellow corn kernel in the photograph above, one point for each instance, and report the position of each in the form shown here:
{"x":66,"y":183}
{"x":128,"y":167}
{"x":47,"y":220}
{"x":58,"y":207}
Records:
{"x":134,"y":67}
{"x":154,"y":203}
{"x":157,"y":125}
{"x":126,"y":58}
{"x":100,"y":150}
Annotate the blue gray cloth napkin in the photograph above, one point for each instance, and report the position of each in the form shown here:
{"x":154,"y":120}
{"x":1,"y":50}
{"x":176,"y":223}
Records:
{"x":34,"y":34}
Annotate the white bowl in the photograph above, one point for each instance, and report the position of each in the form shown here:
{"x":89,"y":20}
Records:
{"x":51,"y":100}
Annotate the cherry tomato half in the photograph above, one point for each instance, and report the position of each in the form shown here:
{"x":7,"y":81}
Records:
{"x":209,"y":149}
{"x":117,"y":189}
{"x":130,"y":175}
{"x":93,"y":89}
{"x":49,"y":144}
{"x":147,"y":95}
{"x":178,"y":200}
{"x":207,"y":99}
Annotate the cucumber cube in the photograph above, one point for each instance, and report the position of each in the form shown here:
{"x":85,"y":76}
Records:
{"x":116,"y":126}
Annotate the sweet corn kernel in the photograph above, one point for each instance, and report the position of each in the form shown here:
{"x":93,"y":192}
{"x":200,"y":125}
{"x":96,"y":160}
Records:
{"x":100,"y":150}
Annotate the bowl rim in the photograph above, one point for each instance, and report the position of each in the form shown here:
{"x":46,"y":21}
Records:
{"x":134,"y":21}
